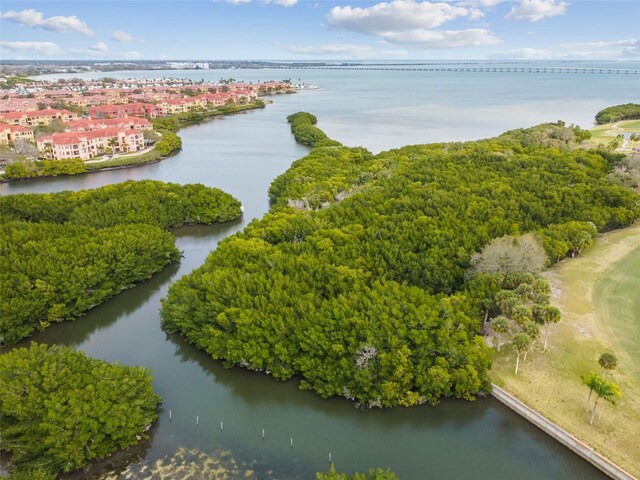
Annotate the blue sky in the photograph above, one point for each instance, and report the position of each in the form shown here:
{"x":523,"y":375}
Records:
{"x":316,"y":30}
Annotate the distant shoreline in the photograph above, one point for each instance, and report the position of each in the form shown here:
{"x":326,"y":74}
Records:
{"x":149,"y":157}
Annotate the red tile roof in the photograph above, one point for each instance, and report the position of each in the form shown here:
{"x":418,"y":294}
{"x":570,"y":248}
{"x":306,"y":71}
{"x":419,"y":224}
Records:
{"x":14,"y":128}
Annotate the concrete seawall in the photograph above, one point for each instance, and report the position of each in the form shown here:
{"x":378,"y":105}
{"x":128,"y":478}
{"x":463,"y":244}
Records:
{"x":561,"y":435}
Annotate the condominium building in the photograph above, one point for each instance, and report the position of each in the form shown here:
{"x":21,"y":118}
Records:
{"x":86,"y":145}
{"x":90,"y":124}
{"x":37,"y":117}
{"x":11,"y":133}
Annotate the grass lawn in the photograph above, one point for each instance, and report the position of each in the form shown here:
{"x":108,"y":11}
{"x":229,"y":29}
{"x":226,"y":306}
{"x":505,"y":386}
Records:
{"x":604,"y":134}
{"x":599,"y":295}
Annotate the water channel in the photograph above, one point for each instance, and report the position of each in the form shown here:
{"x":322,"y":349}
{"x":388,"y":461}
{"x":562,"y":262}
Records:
{"x":455,"y":440}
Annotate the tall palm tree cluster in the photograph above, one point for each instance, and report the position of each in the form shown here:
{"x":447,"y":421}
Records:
{"x":600,"y":385}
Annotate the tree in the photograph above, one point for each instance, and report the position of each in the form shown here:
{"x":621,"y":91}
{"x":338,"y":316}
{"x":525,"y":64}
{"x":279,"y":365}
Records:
{"x":507,"y":302}
{"x":374,"y":474}
{"x":590,"y":381}
{"x":522,"y":342}
{"x":532,"y":329}
{"x":54,"y":126}
{"x":483,"y":288}
{"x":26,"y":148}
{"x":606,"y":390}
{"x":112,"y":143}
{"x":31,"y":474}
{"x":378,"y":258}
{"x":608,"y":361}
{"x":500,"y":326}
{"x":509,"y":254}
{"x":521,"y":314}
{"x":64,"y":253}
{"x":62,"y":409}
{"x":550,"y":314}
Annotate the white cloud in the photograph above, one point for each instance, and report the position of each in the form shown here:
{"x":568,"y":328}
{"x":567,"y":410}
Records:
{"x":534,"y":10}
{"x":44,"y":48}
{"x":472,"y":37}
{"x":99,"y":47}
{"x":483,"y":3}
{"x":477,"y":3}
{"x":407,"y":22}
{"x":335,"y":49}
{"x":395,"y":16}
{"x":33,"y":18}
{"x":124,"y":37}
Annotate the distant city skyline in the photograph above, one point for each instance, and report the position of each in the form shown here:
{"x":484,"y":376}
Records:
{"x":319,"y":30}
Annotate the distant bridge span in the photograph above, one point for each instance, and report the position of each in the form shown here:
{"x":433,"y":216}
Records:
{"x":561,"y":70}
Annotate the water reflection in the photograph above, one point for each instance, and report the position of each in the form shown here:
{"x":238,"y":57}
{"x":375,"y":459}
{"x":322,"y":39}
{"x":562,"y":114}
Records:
{"x":241,"y":155}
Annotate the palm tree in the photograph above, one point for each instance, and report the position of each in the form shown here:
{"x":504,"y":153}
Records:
{"x":532,"y":329}
{"x":47,"y":150}
{"x":112,"y":142}
{"x":522,"y":342}
{"x":500,"y":326}
{"x":507,"y":301}
{"x":521,"y":314}
{"x":606,"y":390}
{"x":550,"y":315}
{"x":590,"y":380}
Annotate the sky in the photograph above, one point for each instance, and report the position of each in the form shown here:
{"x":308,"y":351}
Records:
{"x":320,"y":30}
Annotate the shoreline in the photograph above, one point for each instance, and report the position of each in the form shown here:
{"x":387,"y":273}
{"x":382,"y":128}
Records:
{"x":244,"y":108}
{"x":560,"y":434}
{"x":551,"y":384}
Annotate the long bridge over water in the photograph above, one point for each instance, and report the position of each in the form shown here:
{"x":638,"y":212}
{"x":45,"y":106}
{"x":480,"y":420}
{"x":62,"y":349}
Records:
{"x":486,"y":69}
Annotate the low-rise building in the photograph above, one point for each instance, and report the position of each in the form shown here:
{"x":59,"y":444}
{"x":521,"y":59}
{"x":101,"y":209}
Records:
{"x":86,"y":145}
{"x":11,"y":133}
{"x":37,"y":117}
{"x":90,"y":124}
{"x":136,"y":109}
{"x":217,"y":99}
{"x":182,"y":105}
{"x":22,"y":104}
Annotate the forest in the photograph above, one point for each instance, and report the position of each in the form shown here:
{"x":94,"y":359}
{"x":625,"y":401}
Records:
{"x":60,"y":409}
{"x":62,"y":254}
{"x":358,"y":280}
{"x":627,"y":111}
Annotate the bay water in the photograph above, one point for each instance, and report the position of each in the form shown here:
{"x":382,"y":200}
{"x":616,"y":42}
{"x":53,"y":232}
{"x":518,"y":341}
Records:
{"x":242,"y":154}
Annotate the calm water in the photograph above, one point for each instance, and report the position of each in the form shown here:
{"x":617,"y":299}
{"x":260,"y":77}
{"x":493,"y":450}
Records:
{"x":242,"y":154}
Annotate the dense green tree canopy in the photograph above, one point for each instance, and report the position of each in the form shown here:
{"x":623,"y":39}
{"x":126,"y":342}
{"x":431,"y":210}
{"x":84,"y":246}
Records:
{"x":168,"y":144}
{"x":61,"y":254}
{"x":60,"y":409}
{"x":374,"y":474}
{"x":627,"y":111}
{"x":355,"y":279}
{"x":39,"y":168}
{"x":146,"y":201}
{"x":305,"y":132}
{"x":51,"y":272}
